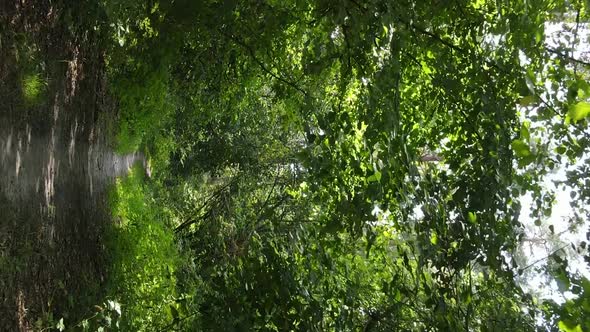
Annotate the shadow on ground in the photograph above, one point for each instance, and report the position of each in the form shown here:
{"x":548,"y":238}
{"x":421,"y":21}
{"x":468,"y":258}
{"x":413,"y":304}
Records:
{"x":56,"y":164}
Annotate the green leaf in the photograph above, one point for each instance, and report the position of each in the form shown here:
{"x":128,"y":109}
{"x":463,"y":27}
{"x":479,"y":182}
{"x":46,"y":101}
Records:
{"x":579,"y":111}
{"x":583,"y":89}
{"x":563,"y":281}
{"x":472,"y":217}
{"x":375,"y":177}
{"x":433,"y":238}
{"x":174,"y":312}
{"x":524,"y":131}
{"x":529,"y":79}
{"x":538,"y":36}
{"x":564,"y":327}
{"x":466,"y":295}
{"x":521,"y":149}
{"x":527,"y":101}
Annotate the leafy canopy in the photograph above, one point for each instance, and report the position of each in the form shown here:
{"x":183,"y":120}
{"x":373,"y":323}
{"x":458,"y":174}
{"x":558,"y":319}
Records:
{"x":347,"y":165}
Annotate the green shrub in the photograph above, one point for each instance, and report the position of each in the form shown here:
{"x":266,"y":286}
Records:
{"x":143,"y":257}
{"x":33,"y":87}
{"x":138,"y":67}
{"x":144,"y":104}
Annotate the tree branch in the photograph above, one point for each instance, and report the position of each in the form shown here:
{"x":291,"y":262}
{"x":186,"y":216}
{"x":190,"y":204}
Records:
{"x":445,"y":42}
{"x":566,"y":57}
{"x":194,"y":218}
{"x":433,"y":36}
{"x":544,"y":258}
{"x":262,"y":66}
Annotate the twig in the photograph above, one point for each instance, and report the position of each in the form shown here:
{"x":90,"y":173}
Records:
{"x":433,"y":36}
{"x":445,"y":42}
{"x":550,"y":107}
{"x":567,"y":57}
{"x":575,"y":39}
{"x":272,"y":188}
{"x":470,"y":305}
{"x":176,"y":321}
{"x":262,"y":66}
{"x":194,"y":218}
{"x":544,"y":258}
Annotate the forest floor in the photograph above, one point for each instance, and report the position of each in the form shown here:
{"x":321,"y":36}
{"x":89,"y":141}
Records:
{"x":56,"y":164}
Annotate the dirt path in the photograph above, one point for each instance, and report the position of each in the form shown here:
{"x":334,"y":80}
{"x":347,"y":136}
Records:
{"x":56,"y":164}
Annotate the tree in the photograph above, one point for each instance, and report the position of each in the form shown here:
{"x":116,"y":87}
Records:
{"x":314,"y":117}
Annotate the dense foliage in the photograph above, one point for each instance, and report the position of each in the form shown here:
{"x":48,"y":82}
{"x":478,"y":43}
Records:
{"x":345,"y":165}
{"x":144,"y":254}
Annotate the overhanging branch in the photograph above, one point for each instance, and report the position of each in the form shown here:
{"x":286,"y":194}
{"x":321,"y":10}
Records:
{"x":566,"y":57}
{"x":262,"y":66}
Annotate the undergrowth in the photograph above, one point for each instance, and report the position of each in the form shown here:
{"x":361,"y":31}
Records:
{"x":143,"y":257}
{"x":31,"y":71}
{"x":148,"y":275}
{"x":143,"y":105}
{"x":33,"y":87}
{"x":138,"y":65}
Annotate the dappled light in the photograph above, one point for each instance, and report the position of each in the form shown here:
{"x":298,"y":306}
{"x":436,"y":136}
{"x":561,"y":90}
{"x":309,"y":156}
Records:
{"x":294,"y":165}
{"x":54,"y":176}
